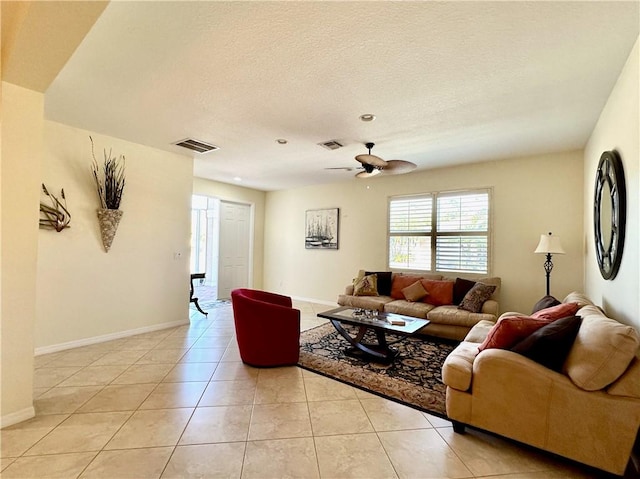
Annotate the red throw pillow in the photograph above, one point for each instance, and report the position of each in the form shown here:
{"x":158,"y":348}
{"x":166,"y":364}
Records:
{"x":509,"y":331}
{"x":438,"y":292}
{"x":556,"y":312}
{"x":401,"y":281}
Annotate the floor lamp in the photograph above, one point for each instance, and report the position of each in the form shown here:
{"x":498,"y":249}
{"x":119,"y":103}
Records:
{"x":549,"y":245}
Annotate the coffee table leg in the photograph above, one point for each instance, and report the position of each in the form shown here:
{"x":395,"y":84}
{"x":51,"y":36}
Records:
{"x":381,"y":351}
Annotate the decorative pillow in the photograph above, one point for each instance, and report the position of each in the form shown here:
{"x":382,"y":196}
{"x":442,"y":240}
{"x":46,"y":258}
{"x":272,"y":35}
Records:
{"x":550,"y":345}
{"x":384,"y":282}
{"x":366,"y":286}
{"x":438,"y":292}
{"x":556,"y":312}
{"x":509,"y":331}
{"x":544,"y":303}
{"x":461,"y":288}
{"x":401,"y":281}
{"x":414,"y":292}
{"x":476,"y":297}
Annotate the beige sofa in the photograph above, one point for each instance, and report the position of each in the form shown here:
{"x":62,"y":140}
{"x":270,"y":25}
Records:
{"x":447,"y":321}
{"x":589,"y":413}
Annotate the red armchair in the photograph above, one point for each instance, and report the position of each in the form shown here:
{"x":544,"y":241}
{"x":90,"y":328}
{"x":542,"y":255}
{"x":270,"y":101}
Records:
{"x":267,"y":328}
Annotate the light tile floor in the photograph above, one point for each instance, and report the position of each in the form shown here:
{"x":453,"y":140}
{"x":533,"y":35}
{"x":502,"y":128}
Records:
{"x":179,"y":403}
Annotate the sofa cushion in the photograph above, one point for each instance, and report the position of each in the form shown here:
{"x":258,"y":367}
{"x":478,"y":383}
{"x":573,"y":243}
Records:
{"x":479,"y":331}
{"x":415,"y":309}
{"x":414,"y":292}
{"x":602,"y":351}
{"x":384,"y":281}
{"x":545,"y":302}
{"x":476,"y":297}
{"x":366,"y":286}
{"x":628,"y":384}
{"x":550,"y":344}
{"x":439,"y":292}
{"x":460,"y":288}
{"x":457,"y":369}
{"x":375,"y":303}
{"x":561,"y":310}
{"x":511,"y":330}
{"x":450,"y":314}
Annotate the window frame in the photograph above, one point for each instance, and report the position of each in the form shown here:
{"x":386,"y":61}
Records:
{"x":434,"y":233}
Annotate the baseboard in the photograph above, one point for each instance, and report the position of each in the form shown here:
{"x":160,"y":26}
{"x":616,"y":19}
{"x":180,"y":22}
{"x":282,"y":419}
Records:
{"x":16,"y":417}
{"x":313,"y":300}
{"x":54,"y":348}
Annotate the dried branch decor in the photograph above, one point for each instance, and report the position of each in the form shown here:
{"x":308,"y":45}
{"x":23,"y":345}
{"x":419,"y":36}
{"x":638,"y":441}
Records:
{"x":110,"y":182}
{"x":57,"y":216}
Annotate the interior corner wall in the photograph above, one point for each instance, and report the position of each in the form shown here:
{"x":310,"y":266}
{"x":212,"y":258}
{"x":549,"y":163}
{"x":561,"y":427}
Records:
{"x":22,"y":126}
{"x":142,"y":283}
{"x":238,"y":194}
{"x":530,"y":196}
{"x":618,"y":128}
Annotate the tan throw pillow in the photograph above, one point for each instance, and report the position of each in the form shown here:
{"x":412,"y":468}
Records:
{"x":366,"y":286}
{"x":414,"y":292}
{"x":602,"y":351}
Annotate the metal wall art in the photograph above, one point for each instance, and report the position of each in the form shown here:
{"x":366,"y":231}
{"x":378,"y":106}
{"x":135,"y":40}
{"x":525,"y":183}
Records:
{"x":55,"y":216}
{"x":609,"y":213}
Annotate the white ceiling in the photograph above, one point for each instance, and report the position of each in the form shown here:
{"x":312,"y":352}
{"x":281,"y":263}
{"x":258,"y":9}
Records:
{"x":449,"y":82}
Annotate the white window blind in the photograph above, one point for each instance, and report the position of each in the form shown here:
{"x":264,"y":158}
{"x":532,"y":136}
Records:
{"x":452,"y":237}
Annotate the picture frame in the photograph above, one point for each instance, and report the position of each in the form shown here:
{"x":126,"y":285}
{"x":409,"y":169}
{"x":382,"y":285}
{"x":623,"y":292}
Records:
{"x":322,"y":228}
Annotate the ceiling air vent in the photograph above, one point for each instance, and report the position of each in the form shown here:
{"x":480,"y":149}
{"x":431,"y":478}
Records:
{"x":196,"y":145}
{"x":331,"y":144}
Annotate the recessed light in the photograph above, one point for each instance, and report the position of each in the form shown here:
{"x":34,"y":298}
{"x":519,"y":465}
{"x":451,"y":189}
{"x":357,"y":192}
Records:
{"x":281,"y":141}
{"x":237,"y":178}
{"x":367,"y":117}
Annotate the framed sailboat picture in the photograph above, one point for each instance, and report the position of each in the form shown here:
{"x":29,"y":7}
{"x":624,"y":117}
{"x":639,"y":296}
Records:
{"x":321,"y":229}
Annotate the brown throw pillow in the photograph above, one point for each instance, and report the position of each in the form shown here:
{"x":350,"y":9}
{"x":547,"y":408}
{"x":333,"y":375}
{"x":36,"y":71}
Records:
{"x":476,"y":297}
{"x":366,"y":286}
{"x":544,"y":303}
{"x":461,"y":288}
{"x":384,"y":281}
{"x":414,"y":292}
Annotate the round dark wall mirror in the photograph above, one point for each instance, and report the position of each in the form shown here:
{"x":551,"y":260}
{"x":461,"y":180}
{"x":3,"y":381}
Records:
{"x":609,"y":213}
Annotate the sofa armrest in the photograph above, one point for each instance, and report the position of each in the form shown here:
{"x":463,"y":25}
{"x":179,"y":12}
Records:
{"x":490,"y":306}
{"x":348,"y":290}
{"x":457,"y":369}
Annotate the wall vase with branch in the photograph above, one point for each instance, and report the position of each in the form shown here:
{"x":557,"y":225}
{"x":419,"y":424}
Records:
{"x":110,"y":181}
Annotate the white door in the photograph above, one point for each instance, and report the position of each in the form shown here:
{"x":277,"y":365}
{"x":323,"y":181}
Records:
{"x":235,"y":230}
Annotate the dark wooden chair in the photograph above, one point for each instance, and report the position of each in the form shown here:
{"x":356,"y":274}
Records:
{"x":193,"y":299}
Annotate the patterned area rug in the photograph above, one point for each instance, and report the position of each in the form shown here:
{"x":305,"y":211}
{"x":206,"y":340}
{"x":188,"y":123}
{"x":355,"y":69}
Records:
{"x":414,"y":378}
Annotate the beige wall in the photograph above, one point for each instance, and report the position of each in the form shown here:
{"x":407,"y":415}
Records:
{"x":531,"y":196}
{"x":618,"y":128}
{"x":20,"y":184}
{"x":83,"y":292}
{"x":248,"y":196}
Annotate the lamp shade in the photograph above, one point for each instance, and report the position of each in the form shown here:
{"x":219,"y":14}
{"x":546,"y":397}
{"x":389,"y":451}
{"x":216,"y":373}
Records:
{"x":549,"y":244}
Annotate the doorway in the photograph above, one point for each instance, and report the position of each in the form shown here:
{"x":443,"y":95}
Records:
{"x":221,"y":234}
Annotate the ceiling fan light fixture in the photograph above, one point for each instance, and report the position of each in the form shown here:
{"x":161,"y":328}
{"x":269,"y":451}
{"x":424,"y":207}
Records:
{"x":281,"y":141}
{"x":367,"y":117}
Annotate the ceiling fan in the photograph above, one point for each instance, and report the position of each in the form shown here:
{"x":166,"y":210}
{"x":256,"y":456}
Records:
{"x":374,"y":165}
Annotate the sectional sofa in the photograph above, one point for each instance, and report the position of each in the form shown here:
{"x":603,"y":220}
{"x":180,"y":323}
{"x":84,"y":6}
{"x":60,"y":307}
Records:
{"x":441,"y":305}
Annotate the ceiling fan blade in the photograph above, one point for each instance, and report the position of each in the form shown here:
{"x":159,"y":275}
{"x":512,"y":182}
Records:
{"x":398,"y":167}
{"x":368,"y":159}
{"x":345,"y":168}
{"x":364,"y":174}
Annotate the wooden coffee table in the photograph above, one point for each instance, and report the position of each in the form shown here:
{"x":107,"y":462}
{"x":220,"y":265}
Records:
{"x":380,"y":323}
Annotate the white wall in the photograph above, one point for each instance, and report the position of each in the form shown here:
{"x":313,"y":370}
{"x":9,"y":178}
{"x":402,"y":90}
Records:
{"x":618,"y":128}
{"x":248,"y":196}
{"x":531,"y":196}
{"x":20,"y":183}
{"x":84,"y":292}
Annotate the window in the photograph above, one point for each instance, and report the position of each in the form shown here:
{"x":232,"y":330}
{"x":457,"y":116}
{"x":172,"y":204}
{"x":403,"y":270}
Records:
{"x":444,"y":232}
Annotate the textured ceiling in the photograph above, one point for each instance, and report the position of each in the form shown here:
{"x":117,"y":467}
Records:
{"x":449,"y":82}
